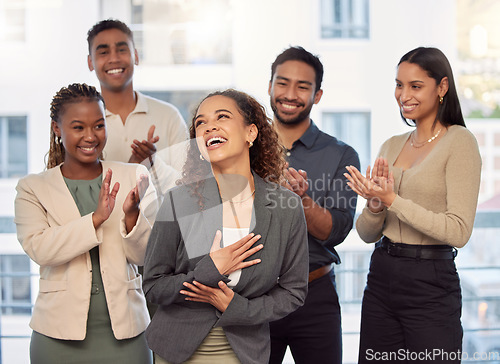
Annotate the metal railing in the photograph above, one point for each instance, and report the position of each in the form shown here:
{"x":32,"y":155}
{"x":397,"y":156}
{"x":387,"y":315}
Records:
{"x":468,"y":357}
{"x":341,"y":274}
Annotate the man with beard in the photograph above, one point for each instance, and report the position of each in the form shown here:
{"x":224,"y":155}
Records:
{"x":317,"y":162}
{"x":137,"y":124}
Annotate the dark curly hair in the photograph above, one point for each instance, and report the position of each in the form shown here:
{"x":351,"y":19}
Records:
{"x":266,"y":155}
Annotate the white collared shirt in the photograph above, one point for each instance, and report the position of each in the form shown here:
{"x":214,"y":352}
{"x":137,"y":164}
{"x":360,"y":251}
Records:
{"x":170,"y":127}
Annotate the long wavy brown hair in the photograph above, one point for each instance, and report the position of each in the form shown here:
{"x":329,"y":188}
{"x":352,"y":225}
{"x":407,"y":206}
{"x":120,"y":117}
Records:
{"x":266,"y":155}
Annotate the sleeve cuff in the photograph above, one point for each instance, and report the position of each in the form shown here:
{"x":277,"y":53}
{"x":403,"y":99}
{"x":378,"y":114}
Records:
{"x":207,"y":273}
{"x":141,"y":226}
{"x":98,"y":232}
{"x":232,"y":314}
{"x":397,"y":204}
{"x":370,"y":215}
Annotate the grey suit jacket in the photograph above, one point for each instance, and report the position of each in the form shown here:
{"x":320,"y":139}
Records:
{"x":178,"y":252}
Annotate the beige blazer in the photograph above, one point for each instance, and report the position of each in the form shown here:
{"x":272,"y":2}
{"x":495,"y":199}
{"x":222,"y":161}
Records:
{"x":55,"y":236}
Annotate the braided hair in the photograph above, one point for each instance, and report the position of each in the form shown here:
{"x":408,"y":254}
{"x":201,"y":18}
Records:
{"x":74,"y":93}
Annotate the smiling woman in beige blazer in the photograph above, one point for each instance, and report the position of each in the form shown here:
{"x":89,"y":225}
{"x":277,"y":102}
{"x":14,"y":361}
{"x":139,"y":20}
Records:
{"x":215,"y":305}
{"x":88,"y":238}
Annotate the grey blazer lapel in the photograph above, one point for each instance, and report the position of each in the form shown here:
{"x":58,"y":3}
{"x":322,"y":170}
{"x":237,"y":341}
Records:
{"x":198,"y":227}
{"x":261,"y":221}
{"x":211,"y":216}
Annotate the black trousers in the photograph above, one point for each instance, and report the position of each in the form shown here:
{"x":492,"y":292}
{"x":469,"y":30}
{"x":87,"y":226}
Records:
{"x":313,"y":331}
{"x":411,"y":311}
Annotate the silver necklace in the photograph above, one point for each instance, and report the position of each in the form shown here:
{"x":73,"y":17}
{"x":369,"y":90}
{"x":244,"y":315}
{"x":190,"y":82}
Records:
{"x":240,"y":201}
{"x":430,"y":140}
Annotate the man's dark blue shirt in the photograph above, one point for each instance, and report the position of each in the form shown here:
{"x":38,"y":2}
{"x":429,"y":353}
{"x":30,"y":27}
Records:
{"x":324,"y":158}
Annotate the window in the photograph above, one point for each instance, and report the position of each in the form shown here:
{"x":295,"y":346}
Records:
{"x":352,"y":128}
{"x":478,"y":84}
{"x":12,"y":20}
{"x":15,"y":284}
{"x":344,"y":19}
{"x":184,"y":101}
{"x":7,"y":225}
{"x":182,"y":32}
{"x":351,"y":275}
{"x":13,"y":147}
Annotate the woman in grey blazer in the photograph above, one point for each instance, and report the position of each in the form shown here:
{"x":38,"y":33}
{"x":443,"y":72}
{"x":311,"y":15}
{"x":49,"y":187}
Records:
{"x":214,"y":304}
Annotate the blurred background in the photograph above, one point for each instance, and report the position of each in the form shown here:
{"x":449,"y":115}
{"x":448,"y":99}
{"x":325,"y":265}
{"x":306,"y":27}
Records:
{"x":190,"y":47}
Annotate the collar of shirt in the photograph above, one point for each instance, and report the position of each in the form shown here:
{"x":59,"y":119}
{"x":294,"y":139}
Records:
{"x":141,"y":105}
{"x":309,"y":137}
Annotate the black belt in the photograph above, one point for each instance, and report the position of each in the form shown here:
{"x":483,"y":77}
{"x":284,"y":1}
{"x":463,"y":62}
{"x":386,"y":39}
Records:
{"x":418,"y":251}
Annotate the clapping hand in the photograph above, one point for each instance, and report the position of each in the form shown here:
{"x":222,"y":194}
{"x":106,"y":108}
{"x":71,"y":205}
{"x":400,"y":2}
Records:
{"x":131,"y":203}
{"x":296,"y":181}
{"x":377,"y":188}
{"x":106,"y":201}
{"x":145,"y":149}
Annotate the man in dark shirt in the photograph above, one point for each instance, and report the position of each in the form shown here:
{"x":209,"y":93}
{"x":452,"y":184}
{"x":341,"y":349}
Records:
{"x":316,"y":165}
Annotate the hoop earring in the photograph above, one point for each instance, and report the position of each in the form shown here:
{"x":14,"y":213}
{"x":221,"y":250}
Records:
{"x":201,"y":157}
{"x":441,"y":100}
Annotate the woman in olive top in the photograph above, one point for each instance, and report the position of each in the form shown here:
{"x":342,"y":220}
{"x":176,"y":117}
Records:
{"x":88,"y":235}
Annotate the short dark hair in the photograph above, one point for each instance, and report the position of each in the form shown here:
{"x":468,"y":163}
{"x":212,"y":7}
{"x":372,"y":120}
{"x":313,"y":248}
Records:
{"x":105,"y":25}
{"x":298,"y":53}
{"x":437,"y":66}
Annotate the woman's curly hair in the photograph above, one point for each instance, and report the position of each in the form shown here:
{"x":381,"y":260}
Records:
{"x":266,"y":155}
